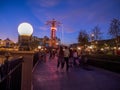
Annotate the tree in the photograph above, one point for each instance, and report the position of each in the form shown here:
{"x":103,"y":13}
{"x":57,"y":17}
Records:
{"x":96,"y":31}
{"x":95,"y":36}
{"x":114,"y":30}
{"x":83,"y":37}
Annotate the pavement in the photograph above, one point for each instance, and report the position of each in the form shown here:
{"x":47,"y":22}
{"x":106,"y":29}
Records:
{"x":47,"y":77}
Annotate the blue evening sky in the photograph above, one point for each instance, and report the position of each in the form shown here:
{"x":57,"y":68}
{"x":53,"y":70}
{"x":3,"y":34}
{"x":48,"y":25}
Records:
{"x":74,"y":15}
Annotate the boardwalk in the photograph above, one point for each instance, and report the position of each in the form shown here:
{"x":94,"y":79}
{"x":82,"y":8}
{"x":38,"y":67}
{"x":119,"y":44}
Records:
{"x":46,"y":77}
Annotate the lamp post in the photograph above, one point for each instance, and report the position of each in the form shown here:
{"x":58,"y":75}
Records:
{"x":92,"y":40}
{"x":92,"y":37}
{"x":39,"y":48}
{"x":25,"y":31}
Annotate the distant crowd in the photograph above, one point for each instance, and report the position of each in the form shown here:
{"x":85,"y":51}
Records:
{"x":66,"y":57}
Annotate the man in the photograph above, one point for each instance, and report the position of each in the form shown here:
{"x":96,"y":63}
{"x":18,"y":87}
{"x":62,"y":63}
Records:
{"x":66,"y":57}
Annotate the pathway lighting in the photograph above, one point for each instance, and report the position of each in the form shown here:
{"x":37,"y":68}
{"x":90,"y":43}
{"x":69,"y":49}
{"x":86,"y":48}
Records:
{"x":114,"y":48}
{"x":119,"y":48}
{"x":39,"y":47}
{"x":102,"y":49}
{"x":78,"y":48}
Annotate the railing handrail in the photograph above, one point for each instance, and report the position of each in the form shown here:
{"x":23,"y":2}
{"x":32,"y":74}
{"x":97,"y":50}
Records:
{"x":104,"y":60}
{"x":11,"y":71}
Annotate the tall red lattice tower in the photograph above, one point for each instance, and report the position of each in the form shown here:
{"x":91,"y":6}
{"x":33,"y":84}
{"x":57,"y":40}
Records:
{"x":53,"y":27}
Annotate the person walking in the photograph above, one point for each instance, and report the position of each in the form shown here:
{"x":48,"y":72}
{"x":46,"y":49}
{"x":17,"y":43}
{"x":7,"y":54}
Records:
{"x":66,"y":57}
{"x":71,"y":58}
{"x":60,"y":54}
{"x":75,"y":57}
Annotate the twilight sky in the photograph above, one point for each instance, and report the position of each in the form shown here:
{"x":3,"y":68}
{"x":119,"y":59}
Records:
{"x":74,"y":15}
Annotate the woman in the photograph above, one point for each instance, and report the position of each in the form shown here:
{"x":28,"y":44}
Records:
{"x":75,"y":57}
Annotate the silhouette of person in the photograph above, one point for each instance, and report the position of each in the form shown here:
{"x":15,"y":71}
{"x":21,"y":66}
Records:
{"x":60,"y":57}
{"x":66,"y":57}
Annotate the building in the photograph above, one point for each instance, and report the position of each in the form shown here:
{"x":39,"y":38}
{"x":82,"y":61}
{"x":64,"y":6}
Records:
{"x":7,"y":43}
{"x":44,"y":42}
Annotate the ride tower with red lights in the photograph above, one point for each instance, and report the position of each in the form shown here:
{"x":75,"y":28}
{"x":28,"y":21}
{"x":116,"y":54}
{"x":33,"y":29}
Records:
{"x":53,"y":27}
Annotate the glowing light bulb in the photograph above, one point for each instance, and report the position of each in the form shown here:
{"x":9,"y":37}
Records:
{"x":25,"y":29}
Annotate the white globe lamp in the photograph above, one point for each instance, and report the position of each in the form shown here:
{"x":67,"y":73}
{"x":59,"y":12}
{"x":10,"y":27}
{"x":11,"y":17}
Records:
{"x":25,"y":31}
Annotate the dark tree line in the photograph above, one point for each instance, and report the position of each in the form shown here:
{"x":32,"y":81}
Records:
{"x":84,"y":37}
{"x":114,"y":31}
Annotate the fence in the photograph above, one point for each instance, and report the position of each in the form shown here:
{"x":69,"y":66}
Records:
{"x":106,"y":64}
{"x":35,"y":58}
{"x":10,"y":74}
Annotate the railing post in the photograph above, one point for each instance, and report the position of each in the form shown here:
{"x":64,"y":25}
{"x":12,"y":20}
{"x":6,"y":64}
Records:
{"x":27,"y":66}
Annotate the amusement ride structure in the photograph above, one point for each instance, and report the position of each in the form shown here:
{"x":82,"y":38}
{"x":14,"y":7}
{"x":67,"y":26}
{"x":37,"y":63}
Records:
{"x":53,"y":27}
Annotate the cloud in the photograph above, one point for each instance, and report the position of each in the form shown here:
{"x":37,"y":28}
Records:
{"x":49,"y":3}
{"x":45,"y":3}
{"x":67,"y":29}
{"x":94,"y":11}
{"x":43,"y":28}
{"x":74,"y":15}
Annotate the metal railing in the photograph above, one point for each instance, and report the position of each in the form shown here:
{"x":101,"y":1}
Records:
{"x":106,"y":64}
{"x":11,"y":74}
{"x":36,"y":58}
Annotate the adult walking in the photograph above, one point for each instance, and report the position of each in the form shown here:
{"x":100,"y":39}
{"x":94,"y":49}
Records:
{"x":75,"y":58}
{"x":60,"y":54}
{"x":71,"y":58}
{"x":66,"y":57}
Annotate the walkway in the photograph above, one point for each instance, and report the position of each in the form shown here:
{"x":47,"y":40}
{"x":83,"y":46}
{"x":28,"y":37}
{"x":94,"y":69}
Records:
{"x":46,"y":77}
